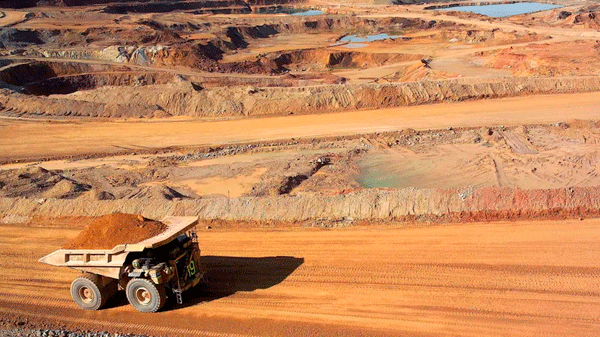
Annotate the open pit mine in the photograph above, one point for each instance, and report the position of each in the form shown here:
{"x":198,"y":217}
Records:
{"x":299,"y":168}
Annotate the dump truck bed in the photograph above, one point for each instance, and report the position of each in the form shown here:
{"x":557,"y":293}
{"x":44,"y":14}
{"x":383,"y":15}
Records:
{"x":176,"y":226}
{"x":108,"y":262}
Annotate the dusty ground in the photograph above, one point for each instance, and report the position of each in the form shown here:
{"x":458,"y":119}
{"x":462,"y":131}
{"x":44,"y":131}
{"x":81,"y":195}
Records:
{"x":538,"y":156}
{"x":519,"y":278}
{"x":35,"y":139}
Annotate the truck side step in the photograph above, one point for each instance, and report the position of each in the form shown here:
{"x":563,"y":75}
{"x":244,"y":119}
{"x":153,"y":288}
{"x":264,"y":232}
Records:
{"x":178,"y":296}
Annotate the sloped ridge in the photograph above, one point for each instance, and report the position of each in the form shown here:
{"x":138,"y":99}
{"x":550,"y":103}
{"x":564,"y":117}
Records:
{"x":182,"y":99}
{"x":38,"y":182}
{"x":426,"y":205}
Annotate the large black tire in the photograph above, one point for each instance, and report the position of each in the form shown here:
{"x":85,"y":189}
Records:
{"x":87,"y":291}
{"x":145,"y":296}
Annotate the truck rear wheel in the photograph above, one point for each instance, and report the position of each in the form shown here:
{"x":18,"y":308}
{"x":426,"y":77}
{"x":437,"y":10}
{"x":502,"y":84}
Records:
{"x":87,"y":292}
{"x":145,"y":296}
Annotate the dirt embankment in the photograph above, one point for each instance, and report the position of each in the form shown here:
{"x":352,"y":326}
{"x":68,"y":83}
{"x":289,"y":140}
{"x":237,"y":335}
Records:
{"x":38,"y":181}
{"x":156,"y":6}
{"x":70,"y":84}
{"x":458,"y":204}
{"x":195,"y":6}
{"x":586,"y":18}
{"x":321,"y":59}
{"x":573,"y":58}
{"x":184,"y":99}
{"x":18,"y":104}
{"x":46,"y":78}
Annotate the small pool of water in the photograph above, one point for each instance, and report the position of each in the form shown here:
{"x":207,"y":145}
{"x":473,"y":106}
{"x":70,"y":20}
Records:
{"x":311,"y":12}
{"x":368,"y":38}
{"x":439,"y":166}
{"x":505,"y":10}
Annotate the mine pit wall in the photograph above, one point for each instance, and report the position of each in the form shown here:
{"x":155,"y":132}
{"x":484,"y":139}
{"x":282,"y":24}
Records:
{"x":221,"y":6}
{"x":23,"y":73}
{"x":137,"y":6}
{"x":323,"y":59}
{"x":33,"y":106}
{"x":70,"y":84}
{"x":315,"y":99}
{"x":182,"y":99}
{"x":373,"y":204}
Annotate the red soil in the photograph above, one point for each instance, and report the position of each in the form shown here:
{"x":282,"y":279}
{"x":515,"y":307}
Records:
{"x":114,"y":229}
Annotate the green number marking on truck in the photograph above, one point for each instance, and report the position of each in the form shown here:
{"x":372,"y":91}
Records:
{"x":192,"y":268}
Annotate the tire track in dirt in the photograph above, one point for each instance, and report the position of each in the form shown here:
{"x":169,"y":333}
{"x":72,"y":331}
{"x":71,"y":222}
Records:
{"x":156,"y":329}
{"x":512,"y":279}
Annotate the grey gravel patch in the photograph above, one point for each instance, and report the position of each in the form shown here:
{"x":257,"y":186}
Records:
{"x":22,"y":332}
{"x":11,"y":37}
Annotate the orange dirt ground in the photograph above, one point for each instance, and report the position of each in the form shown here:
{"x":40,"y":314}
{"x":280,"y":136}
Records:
{"x":534,"y":278}
{"x":32,"y":140}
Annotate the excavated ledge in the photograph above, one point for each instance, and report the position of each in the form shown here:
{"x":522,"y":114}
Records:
{"x":457,"y":204}
{"x":143,"y":6}
{"x":184,"y":99}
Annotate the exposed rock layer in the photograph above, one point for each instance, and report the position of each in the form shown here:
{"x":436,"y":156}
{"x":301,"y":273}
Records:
{"x":183,"y":99}
{"x":373,"y":204}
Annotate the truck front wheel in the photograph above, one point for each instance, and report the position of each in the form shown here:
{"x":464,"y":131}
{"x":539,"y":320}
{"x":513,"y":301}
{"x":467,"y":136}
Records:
{"x":87,"y":291}
{"x":145,"y":296}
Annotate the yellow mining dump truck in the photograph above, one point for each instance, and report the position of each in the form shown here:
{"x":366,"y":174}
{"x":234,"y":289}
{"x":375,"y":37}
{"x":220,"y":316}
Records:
{"x":146,"y":270}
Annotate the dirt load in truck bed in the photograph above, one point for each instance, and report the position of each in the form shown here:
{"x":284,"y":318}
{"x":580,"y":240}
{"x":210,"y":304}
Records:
{"x":114,"y":229}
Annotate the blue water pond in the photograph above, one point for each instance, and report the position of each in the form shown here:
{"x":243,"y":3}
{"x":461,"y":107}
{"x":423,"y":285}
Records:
{"x":501,"y":11}
{"x":311,"y":12}
{"x":368,"y":38}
